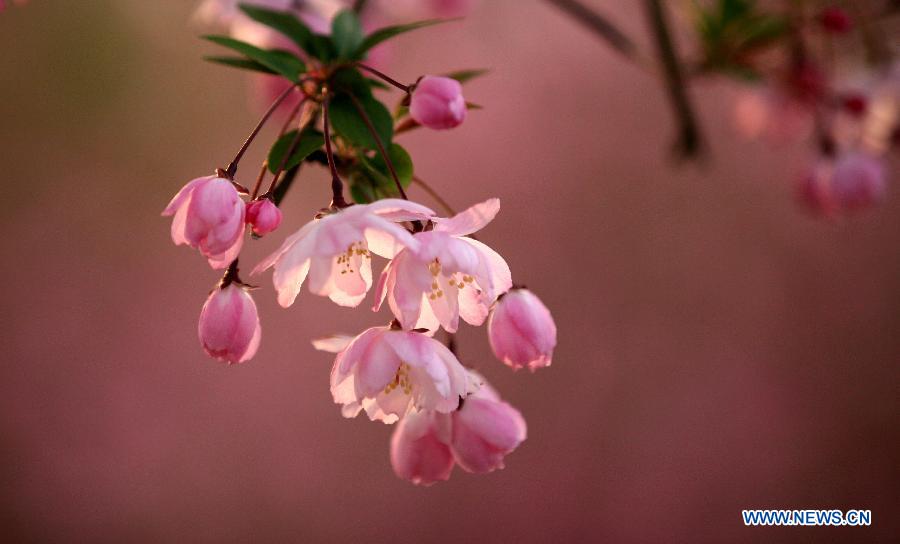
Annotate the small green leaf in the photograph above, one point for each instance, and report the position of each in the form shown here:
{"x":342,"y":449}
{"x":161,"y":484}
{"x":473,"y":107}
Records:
{"x":240,"y":62}
{"x":350,"y":80}
{"x":402,"y":164}
{"x":292,"y":27}
{"x":347,"y":122}
{"x":467,"y":75}
{"x":346,"y":33}
{"x":310,"y":141}
{"x":282,"y":188}
{"x":362,"y":188}
{"x":389,"y":32}
{"x":279,"y":61}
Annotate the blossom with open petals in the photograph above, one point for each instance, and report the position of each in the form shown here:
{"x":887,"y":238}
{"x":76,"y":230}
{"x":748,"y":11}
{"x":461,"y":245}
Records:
{"x":335,"y":250}
{"x":447,"y":276}
{"x":209,"y":216}
{"x":390,"y":372}
{"x":420,"y":448}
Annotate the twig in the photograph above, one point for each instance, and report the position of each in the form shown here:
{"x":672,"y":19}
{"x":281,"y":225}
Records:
{"x":384,"y":154}
{"x":434,"y":194}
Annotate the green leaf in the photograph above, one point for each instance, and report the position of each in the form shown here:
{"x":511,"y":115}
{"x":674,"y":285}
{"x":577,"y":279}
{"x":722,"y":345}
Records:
{"x":282,"y":188}
{"x":389,"y":32}
{"x":350,"y":80}
{"x":347,"y":122}
{"x":362,"y":188}
{"x":402,"y":165}
{"x":292,"y":27}
{"x":310,"y":141}
{"x":346,"y":33}
{"x":278,"y":61}
{"x":467,"y":75}
{"x":239,"y":62}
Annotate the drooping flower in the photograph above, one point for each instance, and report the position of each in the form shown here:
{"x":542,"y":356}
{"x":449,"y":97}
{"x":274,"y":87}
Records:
{"x":437,"y":102}
{"x":229,"y":325}
{"x":209,"y":216}
{"x":447,"y":276}
{"x":420,"y":450}
{"x":521,"y":331}
{"x":478,"y":436}
{"x":858,"y":181}
{"x":335,"y":250}
{"x":263,"y":216}
{"x":389,"y":373}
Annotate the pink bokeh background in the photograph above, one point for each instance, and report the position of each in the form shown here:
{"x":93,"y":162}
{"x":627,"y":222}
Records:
{"x":718,"y":350}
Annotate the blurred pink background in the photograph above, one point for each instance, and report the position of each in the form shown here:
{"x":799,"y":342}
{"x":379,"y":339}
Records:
{"x":718,"y":349}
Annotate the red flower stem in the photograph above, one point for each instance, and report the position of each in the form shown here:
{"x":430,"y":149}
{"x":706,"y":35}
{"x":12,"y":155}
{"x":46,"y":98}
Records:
{"x":386,"y":78}
{"x":231,"y":170}
{"x":337,"y":186}
{"x":387,"y":159}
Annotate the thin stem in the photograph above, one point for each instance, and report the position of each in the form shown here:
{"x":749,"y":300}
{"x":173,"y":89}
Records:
{"x":690,"y":140}
{"x":231,"y":170}
{"x":337,"y":186}
{"x":386,"y":78}
{"x":265,"y":164}
{"x":305,"y":118}
{"x":384,"y":154}
{"x":434,"y":194}
{"x":603,"y":28}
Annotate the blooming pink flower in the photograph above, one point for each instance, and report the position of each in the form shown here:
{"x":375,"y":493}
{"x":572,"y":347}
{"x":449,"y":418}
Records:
{"x":447,"y":276}
{"x":437,"y":102}
{"x":209,"y":216}
{"x":229,"y":325}
{"x":335,"y":251}
{"x":390,"y":372}
{"x":858,"y":181}
{"x":263,"y":215}
{"x":521,"y":331}
{"x":477,"y":437}
{"x":420,"y":450}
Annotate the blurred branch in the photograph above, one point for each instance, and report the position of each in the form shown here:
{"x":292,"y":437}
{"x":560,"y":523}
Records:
{"x":359,"y":6}
{"x":602,"y":27}
{"x":690,"y":141}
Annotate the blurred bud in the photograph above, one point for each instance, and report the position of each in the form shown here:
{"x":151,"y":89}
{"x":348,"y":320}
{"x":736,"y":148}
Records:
{"x":209,"y":216}
{"x":858,"y":181}
{"x":521,"y":331}
{"x":485,"y":430}
{"x":263,"y":216}
{"x":419,"y":448}
{"x":229,"y":325}
{"x":854,"y":103}
{"x":835,"y":19}
{"x":438,"y":103}
{"x":814,"y":191}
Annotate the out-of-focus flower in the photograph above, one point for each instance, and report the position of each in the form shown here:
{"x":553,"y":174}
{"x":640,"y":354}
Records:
{"x":835,"y":19}
{"x":229,"y":325}
{"x":390,"y":372}
{"x":335,"y":250}
{"x":814,"y":191}
{"x":858,"y":181}
{"x":447,"y":276}
{"x":521,"y":331}
{"x":5,"y":3}
{"x":423,"y":9}
{"x":770,"y":115}
{"x":209,"y":216}
{"x":317,"y":14}
{"x":477,"y":437}
{"x":437,"y":102}
{"x":263,"y":216}
{"x":420,"y":450}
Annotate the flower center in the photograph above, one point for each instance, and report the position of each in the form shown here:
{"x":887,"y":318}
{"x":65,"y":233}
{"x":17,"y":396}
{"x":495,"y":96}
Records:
{"x":401,"y":380}
{"x":455,"y":279}
{"x":354,"y":252}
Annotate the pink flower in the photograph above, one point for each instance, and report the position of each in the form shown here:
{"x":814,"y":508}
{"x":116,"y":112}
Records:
{"x":209,"y":216}
{"x":447,"y":276}
{"x":420,"y":450}
{"x":835,"y":19}
{"x":335,"y":251}
{"x":477,"y":437}
{"x":437,"y":102}
{"x":858,"y":181}
{"x":521,"y":331}
{"x":390,"y":372}
{"x":814,"y":190}
{"x":263,"y":215}
{"x":229,"y":325}
{"x":485,"y":430}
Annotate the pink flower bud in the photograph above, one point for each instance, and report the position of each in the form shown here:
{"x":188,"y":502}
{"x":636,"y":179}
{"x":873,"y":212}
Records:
{"x":835,"y":19}
{"x":521,"y":331}
{"x":419,"y":448}
{"x":229,"y":325}
{"x":209,"y":216}
{"x":814,"y":190}
{"x":858,"y":181}
{"x":485,"y":430}
{"x":263,"y":215}
{"x":438,"y":103}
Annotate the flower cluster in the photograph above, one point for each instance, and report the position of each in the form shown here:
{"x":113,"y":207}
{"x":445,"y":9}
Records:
{"x":436,"y":271}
